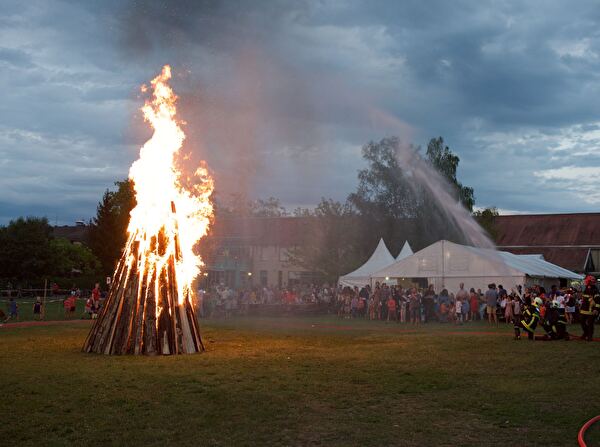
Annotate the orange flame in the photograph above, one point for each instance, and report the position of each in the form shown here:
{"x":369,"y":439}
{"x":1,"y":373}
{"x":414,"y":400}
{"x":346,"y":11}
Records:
{"x":164,"y":206}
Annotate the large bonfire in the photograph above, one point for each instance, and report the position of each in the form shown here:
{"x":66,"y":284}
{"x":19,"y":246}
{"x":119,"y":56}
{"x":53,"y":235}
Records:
{"x":149,"y":308}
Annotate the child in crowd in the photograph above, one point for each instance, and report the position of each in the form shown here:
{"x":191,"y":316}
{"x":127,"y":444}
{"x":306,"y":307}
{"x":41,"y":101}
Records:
{"x":570,"y":306}
{"x":465,"y":308}
{"x":516,"y":310}
{"x":452,"y":312}
{"x":89,"y":307}
{"x":354,"y":306}
{"x":37,"y":309}
{"x":372,"y":308}
{"x":347,"y":308}
{"x":69,"y":305}
{"x":402,"y":310}
{"x":361,"y":306}
{"x":474,"y":305}
{"x":391,"y":307}
{"x":508,"y":310}
{"x":443,"y":312}
{"x":13,"y":309}
{"x":458,"y":311}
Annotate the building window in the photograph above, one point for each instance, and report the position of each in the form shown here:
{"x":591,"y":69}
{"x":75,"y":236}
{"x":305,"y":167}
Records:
{"x":264,"y":253}
{"x":301,"y":277}
{"x":280,"y":279}
{"x":264,"y":278}
{"x":283,"y":254}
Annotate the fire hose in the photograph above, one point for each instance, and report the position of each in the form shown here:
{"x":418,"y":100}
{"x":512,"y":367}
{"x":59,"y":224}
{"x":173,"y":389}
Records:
{"x":581,"y":435}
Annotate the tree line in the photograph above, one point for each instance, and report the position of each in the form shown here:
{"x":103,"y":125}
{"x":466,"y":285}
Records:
{"x":341,"y":236}
{"x":30,"y":253}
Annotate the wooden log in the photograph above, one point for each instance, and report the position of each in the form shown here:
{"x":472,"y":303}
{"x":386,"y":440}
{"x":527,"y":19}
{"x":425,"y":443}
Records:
{"x":196,"y":326}
{"x":123,"y":318}
{"x":164,"y":321}
{"x":100,"y":322}
{"x":173,"y":296}
{"x":135,"y":344}
{"x":149,"y":338}
{"x":143,"y":312}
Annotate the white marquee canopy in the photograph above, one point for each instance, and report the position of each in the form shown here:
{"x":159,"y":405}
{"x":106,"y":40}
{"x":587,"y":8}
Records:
{"x":360,"y":277}
{"x":446,"y":264}
{"x":405,"y":252}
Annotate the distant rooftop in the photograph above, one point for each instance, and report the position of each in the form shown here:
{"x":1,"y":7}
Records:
{"x":549,"y":230}
{"x":563,"y":239}
{"x":74,"y":233}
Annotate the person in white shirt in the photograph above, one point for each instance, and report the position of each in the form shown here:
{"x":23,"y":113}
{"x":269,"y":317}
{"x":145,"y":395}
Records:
{"x":458,"y":311}
{"x":560,"y":301}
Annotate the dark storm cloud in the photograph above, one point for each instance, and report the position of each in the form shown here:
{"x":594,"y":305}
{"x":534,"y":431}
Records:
{"x":280,"y":95}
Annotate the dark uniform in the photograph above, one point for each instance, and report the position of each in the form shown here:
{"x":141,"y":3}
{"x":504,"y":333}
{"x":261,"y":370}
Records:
{"x":528,"y":322}
{"x":555,"y":324}
{"x":590,"y":302}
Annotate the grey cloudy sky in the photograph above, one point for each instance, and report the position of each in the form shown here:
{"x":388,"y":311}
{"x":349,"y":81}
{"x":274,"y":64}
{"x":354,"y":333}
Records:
{"x":279,"y":96}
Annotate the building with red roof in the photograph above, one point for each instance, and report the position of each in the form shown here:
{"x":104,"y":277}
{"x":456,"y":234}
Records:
{"x":571,"y":241}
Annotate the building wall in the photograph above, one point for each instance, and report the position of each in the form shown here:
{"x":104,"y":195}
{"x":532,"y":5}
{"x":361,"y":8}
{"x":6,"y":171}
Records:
{"x":270,"y":267}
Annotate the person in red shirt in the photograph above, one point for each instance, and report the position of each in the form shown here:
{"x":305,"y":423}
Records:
{"x":292,"y":297}
{"x":391,"y":305}
{"x":473,"y":305}
{"x":67,"y":307}
{"x":96,"y":297}
{"x":73,"y":303}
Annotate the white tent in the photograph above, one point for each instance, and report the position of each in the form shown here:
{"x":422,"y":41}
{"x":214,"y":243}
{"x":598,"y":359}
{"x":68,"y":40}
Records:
{"x":446,"y":264}
{"x":360,"y":277}
{"x":405,"y":252}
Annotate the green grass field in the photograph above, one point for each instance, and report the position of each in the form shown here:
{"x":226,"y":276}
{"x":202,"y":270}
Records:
{"x":298,"y":382}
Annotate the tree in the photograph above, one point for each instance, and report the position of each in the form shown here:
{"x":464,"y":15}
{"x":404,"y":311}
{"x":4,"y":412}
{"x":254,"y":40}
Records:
{"x":383,"y":189}
{"x":329,"y":244}
{"x":393,"y":199}
{"x":239,"y":205}
{"x":387,"y":199}
{"x":30,"y":252}
{"x":108,"y":230}
{"x":270,"y":207}
{"x":487,"y":219}
{"x":25,"y":252}
{"x":68,"y":258}
{"x":446,"y":163}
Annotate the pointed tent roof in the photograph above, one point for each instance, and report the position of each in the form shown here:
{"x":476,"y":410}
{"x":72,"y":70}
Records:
{"x":380,"y":258}
{"x":405,"y":252}
{"x":447,"y":259}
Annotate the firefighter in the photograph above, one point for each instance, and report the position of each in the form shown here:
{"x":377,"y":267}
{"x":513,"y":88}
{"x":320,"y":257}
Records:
{"x":588,"y":310}
{"x":555,"y":323}
{"x":529,"y":318}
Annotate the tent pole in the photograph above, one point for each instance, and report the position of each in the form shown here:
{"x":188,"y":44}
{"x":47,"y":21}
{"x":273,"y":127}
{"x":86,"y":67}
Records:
{"x":443,"y":266}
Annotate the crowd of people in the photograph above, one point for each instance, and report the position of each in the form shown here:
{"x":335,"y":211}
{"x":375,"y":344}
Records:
{"x":554,"y":310}
{"x":221,"y":300}
{"x":525,"y":309}
{"x":93,"y":303}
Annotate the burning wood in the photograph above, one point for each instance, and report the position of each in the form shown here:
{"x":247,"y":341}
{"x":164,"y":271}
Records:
{"x":149,"y":305}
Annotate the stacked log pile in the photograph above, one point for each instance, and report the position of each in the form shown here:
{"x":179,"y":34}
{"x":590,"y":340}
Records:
{"x":143,"y":313}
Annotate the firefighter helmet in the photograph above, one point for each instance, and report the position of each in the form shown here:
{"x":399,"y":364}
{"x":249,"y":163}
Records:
{"x":589,"y":280}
